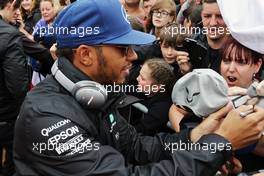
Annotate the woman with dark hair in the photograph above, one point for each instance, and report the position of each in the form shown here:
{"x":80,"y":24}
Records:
{"x":240,"y":66}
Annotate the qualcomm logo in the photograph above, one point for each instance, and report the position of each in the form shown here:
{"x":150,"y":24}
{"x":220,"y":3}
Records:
{"x":124,"y":14}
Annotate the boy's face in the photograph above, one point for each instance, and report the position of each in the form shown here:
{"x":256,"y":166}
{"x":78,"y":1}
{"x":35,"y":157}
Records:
{"x":144,"y":80}
{"x":168,"y":52}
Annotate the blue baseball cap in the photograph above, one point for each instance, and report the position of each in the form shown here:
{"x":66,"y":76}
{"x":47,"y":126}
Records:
{"x":94,"y":22}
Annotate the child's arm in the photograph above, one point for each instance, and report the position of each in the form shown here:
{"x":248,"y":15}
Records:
{"x":175,"y":116}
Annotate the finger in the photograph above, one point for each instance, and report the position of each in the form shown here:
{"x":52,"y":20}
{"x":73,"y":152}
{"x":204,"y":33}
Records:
{"x":237,"y":165}
{"x":223,"y":111}
{"x":236,"y":91}
{"x":244,"y":108}
{"x":183,"y":61}
{"x":224,"y":170}
{"x":182,"y":53}
{"x":182,"y":58}
{"x":260,"y":89}
{"x":252,"y":101}
{"x":258,"y":114}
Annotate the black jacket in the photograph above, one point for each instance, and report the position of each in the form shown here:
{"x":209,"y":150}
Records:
{"x":38,"y":52}
{"x":31,"y":20}
{"x":55,"y":135}
{"x":14,"y":75}
{"x":214,"y":59}
{"x":155,"y":120}
{"x":213,"y":56}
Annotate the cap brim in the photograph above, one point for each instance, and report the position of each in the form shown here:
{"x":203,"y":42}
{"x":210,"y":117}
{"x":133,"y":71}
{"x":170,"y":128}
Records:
{"x":132,"y":38}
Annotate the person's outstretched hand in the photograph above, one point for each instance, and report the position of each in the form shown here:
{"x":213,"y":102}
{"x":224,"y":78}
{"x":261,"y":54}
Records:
{"x":211,"y":123}
{"x":242,"y":131}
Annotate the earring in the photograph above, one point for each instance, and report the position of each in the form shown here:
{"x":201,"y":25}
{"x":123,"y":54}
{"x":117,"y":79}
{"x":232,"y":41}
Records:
{"x":253,"y":76}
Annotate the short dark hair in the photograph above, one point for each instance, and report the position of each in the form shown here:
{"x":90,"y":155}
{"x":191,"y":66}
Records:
{"x":193,"y":14}
{"x":3,"y":3}
{"x":65,"y":52}
{"x":250,"y":56}
{"x":161,"y":73}
{"x":172,"y":39}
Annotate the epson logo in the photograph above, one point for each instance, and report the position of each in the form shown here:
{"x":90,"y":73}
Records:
{"x":63,"y":135}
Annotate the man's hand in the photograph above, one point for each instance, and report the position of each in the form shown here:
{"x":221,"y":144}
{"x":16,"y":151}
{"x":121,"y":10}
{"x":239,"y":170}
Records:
{"x":211,"y":123}
{"x":232,"y":91}
{"x":242,"y":131}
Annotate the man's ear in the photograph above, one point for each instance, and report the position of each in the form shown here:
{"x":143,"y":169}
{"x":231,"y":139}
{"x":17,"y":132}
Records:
{"x":85,"y":55}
